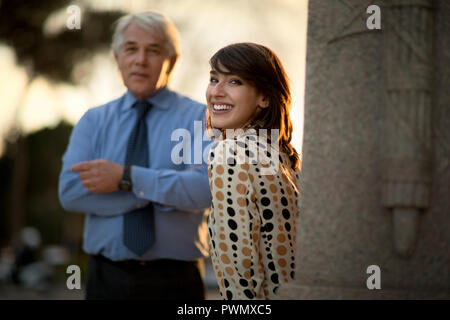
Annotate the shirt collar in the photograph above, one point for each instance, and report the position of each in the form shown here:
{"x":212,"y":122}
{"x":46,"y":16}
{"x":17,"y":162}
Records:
{"x":158,"y":100}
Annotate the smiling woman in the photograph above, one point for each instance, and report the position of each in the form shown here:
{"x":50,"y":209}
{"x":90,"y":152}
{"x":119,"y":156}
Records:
{"x":253,"y":212}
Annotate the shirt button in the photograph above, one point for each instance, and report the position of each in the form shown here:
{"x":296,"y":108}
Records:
{"x":138,"y":206}
{"x":141,"y":193}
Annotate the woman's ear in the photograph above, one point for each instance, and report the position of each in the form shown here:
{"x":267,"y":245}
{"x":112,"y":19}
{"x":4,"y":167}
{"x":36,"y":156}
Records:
{"x":263,"y":102}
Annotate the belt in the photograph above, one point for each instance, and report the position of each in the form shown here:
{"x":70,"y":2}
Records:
{"x":158,"y":263}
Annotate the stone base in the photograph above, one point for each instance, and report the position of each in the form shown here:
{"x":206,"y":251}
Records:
{"x":304,"y":292}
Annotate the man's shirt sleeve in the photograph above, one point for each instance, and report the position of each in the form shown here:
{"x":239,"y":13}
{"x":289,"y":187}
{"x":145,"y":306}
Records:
{"x":72,"y":194}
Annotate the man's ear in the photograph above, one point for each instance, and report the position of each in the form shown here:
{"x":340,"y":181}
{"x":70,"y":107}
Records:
{"x":173,"y":60}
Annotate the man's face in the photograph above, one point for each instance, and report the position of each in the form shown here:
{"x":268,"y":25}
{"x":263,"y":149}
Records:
{"x":143,"y":61}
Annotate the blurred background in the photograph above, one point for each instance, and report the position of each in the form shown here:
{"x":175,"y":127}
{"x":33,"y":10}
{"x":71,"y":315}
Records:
{"x":50,"y":75}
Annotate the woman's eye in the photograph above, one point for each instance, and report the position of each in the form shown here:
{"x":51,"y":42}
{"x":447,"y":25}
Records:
{"x":236,"y":81}
{"x":213,"y":80}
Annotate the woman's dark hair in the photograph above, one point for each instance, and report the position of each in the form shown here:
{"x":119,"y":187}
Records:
{"x":261,"y":67}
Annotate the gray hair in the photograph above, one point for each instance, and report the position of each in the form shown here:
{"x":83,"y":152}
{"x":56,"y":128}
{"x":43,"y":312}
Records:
{"x":149,"y":21}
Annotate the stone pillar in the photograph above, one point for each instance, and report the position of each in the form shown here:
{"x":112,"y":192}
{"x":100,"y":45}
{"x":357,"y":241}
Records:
{"x":375,"y":173}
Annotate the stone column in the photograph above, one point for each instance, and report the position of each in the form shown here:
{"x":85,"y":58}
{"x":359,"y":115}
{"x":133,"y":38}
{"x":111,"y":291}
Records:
{"x":375,"y":174}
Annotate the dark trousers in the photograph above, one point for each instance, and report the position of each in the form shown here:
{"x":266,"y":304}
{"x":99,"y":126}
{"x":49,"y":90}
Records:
{"x":163,"y":279}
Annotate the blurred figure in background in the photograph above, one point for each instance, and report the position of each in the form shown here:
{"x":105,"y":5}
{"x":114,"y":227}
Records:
{"x":145,"y":227}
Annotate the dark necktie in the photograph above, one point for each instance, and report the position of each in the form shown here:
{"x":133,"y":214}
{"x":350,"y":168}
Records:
{"x":139,"y":224}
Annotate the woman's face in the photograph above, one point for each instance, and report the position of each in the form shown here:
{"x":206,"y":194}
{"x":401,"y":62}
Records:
{"x":232,"y":101}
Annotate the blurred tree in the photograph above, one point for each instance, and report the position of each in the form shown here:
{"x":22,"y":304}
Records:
{"x":30,"y":174}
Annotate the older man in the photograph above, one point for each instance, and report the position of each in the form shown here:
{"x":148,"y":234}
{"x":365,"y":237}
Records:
{"x":144,"y":226}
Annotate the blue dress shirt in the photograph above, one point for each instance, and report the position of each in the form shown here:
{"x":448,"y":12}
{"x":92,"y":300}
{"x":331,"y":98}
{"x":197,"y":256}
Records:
{"x":176,"y":180}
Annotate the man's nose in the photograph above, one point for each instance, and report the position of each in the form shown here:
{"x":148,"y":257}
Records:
{"x":141,"y":57}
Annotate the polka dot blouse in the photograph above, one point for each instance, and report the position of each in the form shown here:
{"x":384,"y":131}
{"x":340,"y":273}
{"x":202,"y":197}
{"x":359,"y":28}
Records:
{"x":252,"y":217}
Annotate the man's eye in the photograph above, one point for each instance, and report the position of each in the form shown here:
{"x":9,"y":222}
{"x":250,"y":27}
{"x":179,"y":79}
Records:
{"x":213,"y":80}
{"x":236,"y":81}
{"x":130,"y":49}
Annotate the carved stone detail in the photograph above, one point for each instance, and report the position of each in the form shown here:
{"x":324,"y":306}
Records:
{"x":408,"y":34}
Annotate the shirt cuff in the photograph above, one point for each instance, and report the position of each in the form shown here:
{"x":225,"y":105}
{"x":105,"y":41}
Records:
{"x":143,"y":180}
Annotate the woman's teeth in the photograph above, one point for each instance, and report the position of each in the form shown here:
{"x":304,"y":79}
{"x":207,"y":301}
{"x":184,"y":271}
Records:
{"x":221,"y":107}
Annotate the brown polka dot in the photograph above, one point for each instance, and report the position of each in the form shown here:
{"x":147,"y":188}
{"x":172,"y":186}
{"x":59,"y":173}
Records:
{"x":229,"y":271}
{"x":220,"y":206}
{"x":246,"y":263}
{"x":273,"y":188}
{"x":251,"y":177}
{"x":245,"y":166}
{"x":219,"y":196}
{"x":242,"y":189}
{"x":224,"y":258}
{"x":218,"y":182}
{"x":281,"y":237}
{"x":242,"y":176}
{"x":241,"y":202}
{"x":247,"y":274}
{"x":245,"y":241}
{"x":209,"y":173}
{"x":222,"y":236}
{"x":281,"y":250}
{"x":289,"y":191}
{"x":282,"y":263}
{"x":284,"y":273}
{"x":275,"y":198}
{"x":270,"y":177}
{"x":223,"y":246}
{"x":246,"y":251}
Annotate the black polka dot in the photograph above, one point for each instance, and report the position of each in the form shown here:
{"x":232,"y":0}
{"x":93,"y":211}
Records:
{"x":229,"y":201}
{"x":233,"y":237}
{"x":249,"y":154}
{"x":232,"y":224}
{"x":267,"y":214}
{"x":230,"y":171}
{"x":241,"y":144}
{"x":234,"y":247}
{"x":229,"y":295}
{"x":268,"y":227}
{"x":274,"y":278}
{"x":286,"y":213}
{"x":248,"y":294}
{"x":287,"y":226}
{"x":265,"y":201}
{"x":243,"y":282}
{"x":263,"y":191}
{"x":231,"y":162}
{"x":284,"y":201}
{"x":271,"y":266}
{"x":231,"y":212}
{"x":226,"y":283}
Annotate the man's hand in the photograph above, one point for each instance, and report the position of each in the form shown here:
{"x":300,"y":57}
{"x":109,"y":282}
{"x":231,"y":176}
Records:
{"x":99,"y":176}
